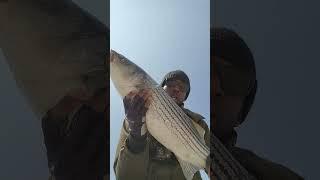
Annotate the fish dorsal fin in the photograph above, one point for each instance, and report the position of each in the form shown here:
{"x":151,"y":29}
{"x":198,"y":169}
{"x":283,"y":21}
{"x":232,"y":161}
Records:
{"x":188,"y":169}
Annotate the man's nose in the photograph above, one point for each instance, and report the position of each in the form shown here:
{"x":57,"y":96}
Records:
{"x":176,"y":90}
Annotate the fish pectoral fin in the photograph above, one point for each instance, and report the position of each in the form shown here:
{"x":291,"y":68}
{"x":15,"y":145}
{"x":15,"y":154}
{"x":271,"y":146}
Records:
{"x":188,"y":169}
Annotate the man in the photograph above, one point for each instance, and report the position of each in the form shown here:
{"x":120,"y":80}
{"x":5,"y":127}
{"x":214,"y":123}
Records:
{"x":235,"y":87}
{"x":139,"y":155}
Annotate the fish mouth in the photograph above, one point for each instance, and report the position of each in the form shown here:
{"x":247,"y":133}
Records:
{"x":112,"y":55}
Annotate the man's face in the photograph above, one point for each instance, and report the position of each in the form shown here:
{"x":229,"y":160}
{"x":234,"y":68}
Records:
{"x":177,"y":90}
{"x":227,"y":103}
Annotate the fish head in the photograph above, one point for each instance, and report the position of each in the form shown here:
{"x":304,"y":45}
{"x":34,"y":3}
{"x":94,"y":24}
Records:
{"x":127,"y":76}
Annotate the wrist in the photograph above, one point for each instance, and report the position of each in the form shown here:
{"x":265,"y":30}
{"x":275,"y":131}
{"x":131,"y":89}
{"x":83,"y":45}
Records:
{"x":137,"y":128}
{"x":136,"y":144}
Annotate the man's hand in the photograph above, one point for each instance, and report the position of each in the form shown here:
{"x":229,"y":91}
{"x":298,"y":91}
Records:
{"x":136,"y":104}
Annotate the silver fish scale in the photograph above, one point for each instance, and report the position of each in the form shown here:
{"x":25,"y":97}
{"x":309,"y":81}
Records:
{"x":175,"y":119}
{"x":224,"y":165}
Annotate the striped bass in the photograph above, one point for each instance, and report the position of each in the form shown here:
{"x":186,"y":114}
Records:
{"x":165,"y":120}
{"x":168,"y":124}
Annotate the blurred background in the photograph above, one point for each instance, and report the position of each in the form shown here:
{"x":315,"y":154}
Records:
{"x":284,"y":38}
{"x":22,"y":152}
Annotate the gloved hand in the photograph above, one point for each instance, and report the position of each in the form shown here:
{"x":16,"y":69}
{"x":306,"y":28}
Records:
{"x":136,"y":104}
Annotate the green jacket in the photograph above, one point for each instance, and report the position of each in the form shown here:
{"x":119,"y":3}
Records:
{"x":143,"y":165}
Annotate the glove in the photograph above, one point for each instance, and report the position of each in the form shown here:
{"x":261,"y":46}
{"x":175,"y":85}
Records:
{"x":136,"y":104}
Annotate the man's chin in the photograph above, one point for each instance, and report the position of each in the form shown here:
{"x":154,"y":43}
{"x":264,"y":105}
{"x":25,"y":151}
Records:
{"x":179,"y":103}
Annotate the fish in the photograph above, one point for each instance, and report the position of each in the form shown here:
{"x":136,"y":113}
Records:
{"x":53,"y":48}
{"x":169,"y":125}
{"x":165,"y":120}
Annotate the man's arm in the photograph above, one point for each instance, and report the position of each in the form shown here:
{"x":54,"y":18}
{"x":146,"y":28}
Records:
{"x":130,"y":164}
{"x":132,"y":154}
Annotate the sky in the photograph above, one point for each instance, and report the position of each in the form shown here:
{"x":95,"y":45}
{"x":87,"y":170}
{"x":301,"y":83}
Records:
{"x":161,"y":36}
{"x":21,"y":137}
